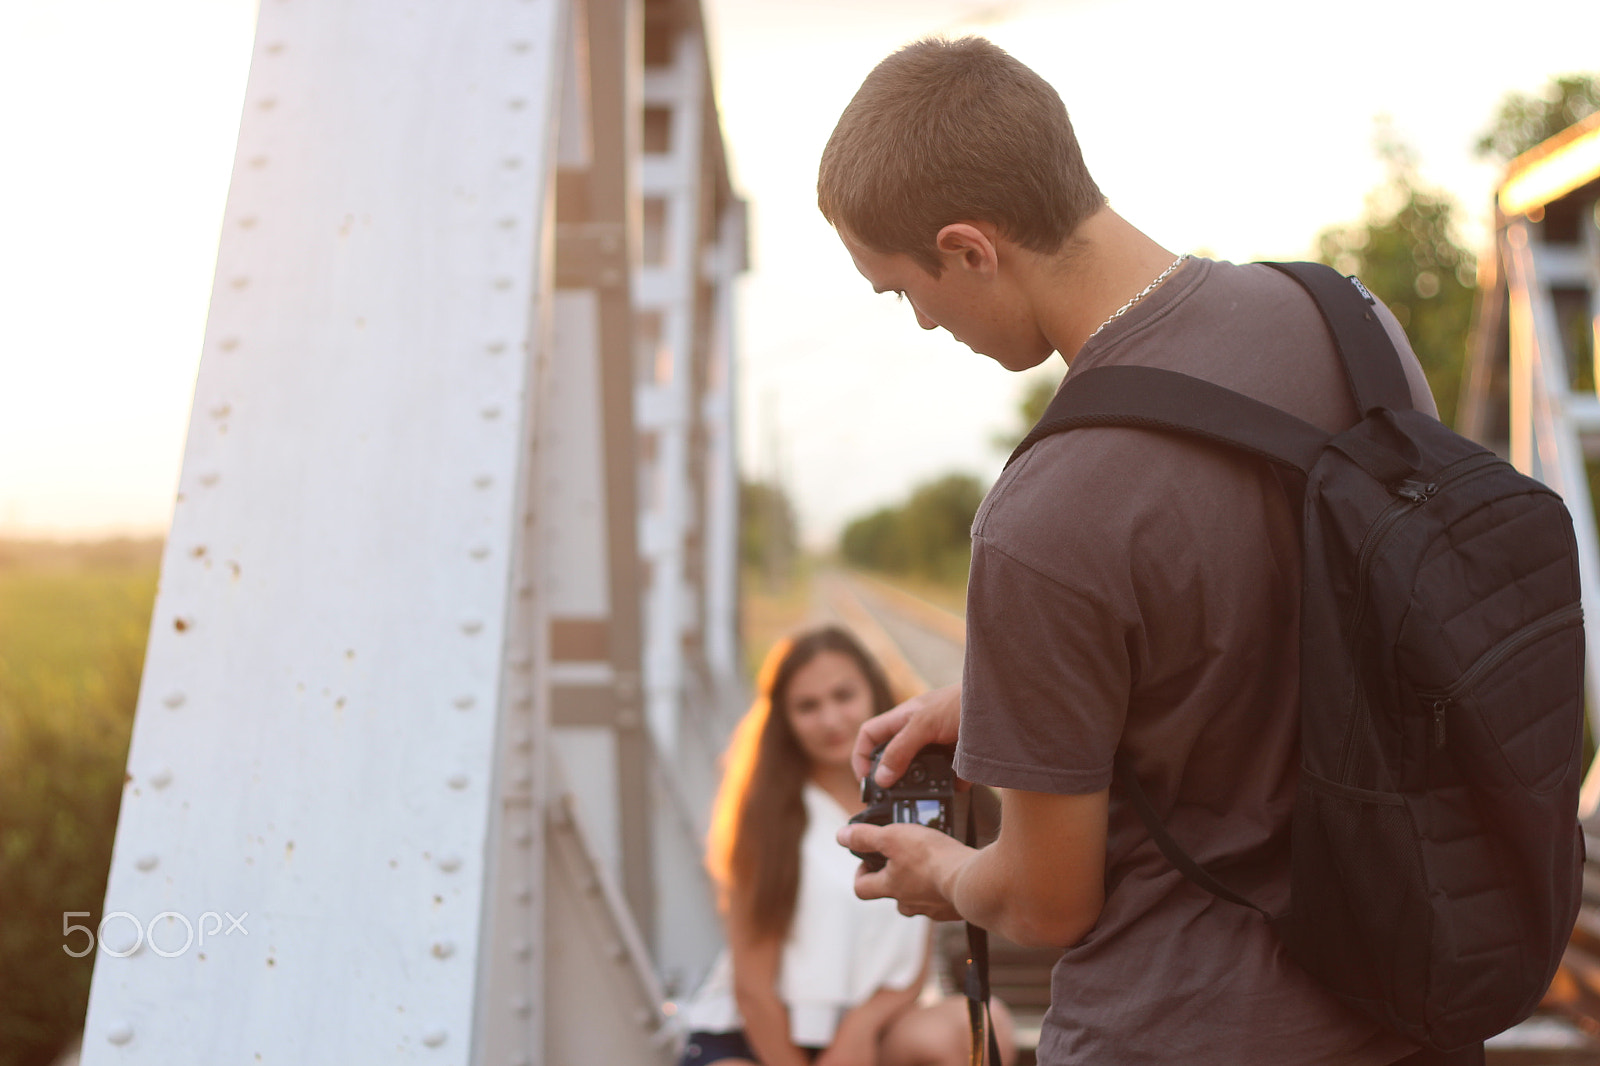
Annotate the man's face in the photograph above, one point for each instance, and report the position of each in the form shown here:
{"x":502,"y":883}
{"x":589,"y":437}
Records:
{"x":970,"y":308}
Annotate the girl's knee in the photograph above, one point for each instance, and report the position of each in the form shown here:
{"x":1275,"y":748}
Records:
{"x":928,"y":1036}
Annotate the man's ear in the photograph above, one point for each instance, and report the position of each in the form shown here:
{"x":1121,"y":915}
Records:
{"x":969,"y":246}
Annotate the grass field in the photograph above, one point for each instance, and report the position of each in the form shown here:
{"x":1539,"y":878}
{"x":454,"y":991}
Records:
{"x":73,"y":621}
{"x":73,"y":625}
{"x":772,"y":609}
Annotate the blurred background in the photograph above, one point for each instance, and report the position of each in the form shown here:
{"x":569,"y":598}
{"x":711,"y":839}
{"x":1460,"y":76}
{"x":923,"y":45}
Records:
{"x":1371,"y":138}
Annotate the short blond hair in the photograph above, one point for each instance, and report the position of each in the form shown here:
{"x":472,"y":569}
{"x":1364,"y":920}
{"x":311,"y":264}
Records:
{"x":949,"y":131}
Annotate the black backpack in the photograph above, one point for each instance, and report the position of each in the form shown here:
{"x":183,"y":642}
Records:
{"x":1436,"y":857}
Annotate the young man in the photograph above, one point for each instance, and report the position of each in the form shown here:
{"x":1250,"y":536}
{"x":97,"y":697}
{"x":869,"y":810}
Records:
{"x":1129,"y":590}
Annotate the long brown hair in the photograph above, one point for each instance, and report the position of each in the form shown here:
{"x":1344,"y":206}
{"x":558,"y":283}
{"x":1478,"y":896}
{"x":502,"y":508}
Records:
{"x":760,"y":812}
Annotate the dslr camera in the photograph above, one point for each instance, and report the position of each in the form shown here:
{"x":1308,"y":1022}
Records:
{"x":924,"y":795}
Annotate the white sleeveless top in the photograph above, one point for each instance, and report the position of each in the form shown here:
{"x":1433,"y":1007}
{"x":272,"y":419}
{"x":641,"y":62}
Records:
{"x":840,"y":949}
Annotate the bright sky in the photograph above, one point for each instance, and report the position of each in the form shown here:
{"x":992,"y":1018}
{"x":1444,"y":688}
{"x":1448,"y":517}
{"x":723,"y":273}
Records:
{"x":1238,"y":128}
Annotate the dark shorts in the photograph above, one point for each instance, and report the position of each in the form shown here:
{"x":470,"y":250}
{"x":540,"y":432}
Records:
{"x":705,"y":1048}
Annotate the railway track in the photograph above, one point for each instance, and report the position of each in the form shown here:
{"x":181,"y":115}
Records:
{"x":922,"y":646}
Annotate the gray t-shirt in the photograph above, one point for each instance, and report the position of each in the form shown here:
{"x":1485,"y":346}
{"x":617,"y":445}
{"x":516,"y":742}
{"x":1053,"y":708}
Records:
{"x":1134,"y":588}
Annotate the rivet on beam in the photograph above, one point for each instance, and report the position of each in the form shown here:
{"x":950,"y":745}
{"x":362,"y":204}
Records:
{"x":120,"y":1033}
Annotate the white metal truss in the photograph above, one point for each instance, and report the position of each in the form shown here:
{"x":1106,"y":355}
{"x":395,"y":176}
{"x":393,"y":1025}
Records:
{"x":1539,"y":306}
{"x":392,"y":794}
{"x":692,"y":246}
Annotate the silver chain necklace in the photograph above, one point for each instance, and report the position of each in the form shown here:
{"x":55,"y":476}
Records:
{"x":1141,"y":294}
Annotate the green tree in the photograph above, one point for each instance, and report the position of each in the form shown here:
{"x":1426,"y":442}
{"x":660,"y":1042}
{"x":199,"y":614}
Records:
{"x":1035,"y":398}
{"x":1525,"y":120}
{"x":873,"y":542}
{"x":769,"y":538}
{"x":938,"y":520}
{"x":928,"y":535}
{"x":1037,"y":391}
{"x":1406,"y":250}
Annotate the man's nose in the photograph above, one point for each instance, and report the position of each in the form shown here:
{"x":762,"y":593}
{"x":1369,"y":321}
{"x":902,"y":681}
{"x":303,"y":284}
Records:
{"x":923,"y":320}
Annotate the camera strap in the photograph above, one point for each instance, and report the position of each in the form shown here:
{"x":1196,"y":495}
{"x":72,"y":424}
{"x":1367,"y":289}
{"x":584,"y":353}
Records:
{"x":979,"y":1016}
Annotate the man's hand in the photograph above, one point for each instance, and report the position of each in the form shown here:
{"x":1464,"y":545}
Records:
{"x":931,"y":718}
{"x":1041,"y":883}
{"x":921,"y":862}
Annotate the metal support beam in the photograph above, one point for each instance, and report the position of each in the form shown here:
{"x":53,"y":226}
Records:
{"x":1545,"y":440}
{"x":338,"y":641}
{"x":601,"y":233}
{"x":393,"y":712}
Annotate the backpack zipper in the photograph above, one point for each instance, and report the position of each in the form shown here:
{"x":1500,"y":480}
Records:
{"x":1531,"y":633}
{"x":1412,"y":494}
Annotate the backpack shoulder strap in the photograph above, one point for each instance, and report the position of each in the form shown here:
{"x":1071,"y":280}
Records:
{"x":1371,"y":364}
{"x":1152,"y":398}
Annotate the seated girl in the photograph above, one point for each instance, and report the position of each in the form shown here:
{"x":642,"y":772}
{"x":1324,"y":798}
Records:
{"x":811,"y":972}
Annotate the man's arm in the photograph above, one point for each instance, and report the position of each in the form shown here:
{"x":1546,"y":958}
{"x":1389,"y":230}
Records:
{"x":1042,"y":881}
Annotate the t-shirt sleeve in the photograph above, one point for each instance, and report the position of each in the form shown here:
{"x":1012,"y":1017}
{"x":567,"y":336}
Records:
{"x":1421,"y":394}
{"x":1048,"y":672}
